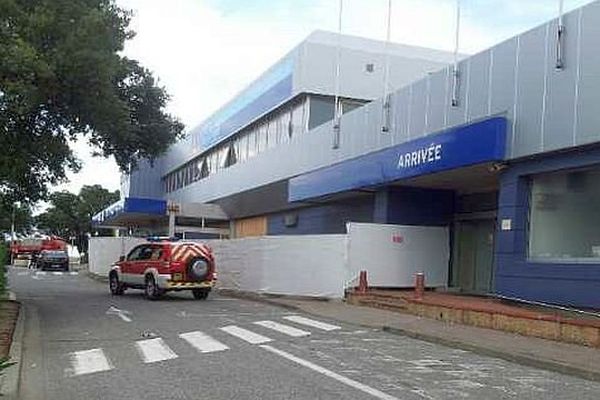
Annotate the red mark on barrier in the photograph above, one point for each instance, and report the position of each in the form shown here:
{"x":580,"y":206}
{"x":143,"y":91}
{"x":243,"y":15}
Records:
{"x":397,"y":239}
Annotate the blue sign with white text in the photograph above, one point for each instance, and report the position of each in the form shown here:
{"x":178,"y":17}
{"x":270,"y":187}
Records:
{"x":472,"y":144}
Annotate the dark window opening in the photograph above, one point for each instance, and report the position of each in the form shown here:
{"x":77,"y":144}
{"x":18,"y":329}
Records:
{"x":204,"y":171}
{"x":231,"y":157}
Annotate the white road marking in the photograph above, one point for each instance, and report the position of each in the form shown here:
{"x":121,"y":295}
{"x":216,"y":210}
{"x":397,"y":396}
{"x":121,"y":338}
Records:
{"x":57,"y":273}
{"x":202,"y":342}
{"x":244,"y":334}
{"x":21,"y":273}
{"x":119,"y":313}
{"x":286,"y":329}
{"x":154,"y":350}
{"x":340,"y":378}
{"x":40,"y":273}
{"x":88,"y":362}
{"x":73,"y":273}
{"x":311,"y":322}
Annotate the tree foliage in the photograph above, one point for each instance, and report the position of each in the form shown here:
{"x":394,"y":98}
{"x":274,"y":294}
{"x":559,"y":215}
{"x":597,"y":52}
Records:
{"x":70,"y":215}
{"x":63,"y":78}
{"x":23,"y":217}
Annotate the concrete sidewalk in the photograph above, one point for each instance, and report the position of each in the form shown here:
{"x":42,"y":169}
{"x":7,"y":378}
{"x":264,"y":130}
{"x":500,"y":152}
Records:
{"x":560,"y":357}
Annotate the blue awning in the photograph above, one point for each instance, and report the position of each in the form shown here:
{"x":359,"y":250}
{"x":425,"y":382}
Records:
{"x":130,"y":206}
{"x":477,"y":143}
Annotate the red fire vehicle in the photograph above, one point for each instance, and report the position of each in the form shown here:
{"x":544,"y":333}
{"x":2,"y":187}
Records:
{"x":25,"y":250}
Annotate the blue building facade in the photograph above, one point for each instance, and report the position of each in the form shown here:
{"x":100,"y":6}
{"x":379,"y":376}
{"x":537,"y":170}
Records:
{"x":505,"y":153}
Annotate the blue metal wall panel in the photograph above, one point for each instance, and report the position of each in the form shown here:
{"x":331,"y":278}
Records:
{"x":418,"y":109}
{"x":145,"y":181}
{"x":559,"y":116}
{"x":458,"y":147}
{"x":588,"y":117}
{"x":145,"y":206}
{"x":326,"y":219}
{"x":515,"y":276}
{"x":437,"y":100}
{"x":478,"y":86}
{"x":531,"y":72}
{"x":422,"y":207}
{"x":502,"y":83}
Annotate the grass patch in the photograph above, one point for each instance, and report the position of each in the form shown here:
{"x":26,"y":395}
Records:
{"x":6,"y":318}
{"x":5,"y":363}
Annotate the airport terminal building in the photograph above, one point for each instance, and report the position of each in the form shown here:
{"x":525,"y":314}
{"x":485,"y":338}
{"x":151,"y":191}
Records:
{"x":502,"y":149}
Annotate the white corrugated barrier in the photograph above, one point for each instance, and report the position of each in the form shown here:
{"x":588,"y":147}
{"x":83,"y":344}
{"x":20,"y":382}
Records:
{"x":314,"y":265}
{"x":104,"y":251}
{"x":307,"y":265}
{"x":392,"y":254}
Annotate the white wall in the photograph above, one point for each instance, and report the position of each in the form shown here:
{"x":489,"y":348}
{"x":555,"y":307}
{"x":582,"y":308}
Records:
{"x":308,"y":265}
{"x":104,"y":251}
{"x":393,"y":254}
{"x":314,"y":265}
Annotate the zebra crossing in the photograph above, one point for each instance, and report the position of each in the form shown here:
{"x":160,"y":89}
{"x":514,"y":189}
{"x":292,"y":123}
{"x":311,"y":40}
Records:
{"x":91,"y":361}
{"x":39,"y":273}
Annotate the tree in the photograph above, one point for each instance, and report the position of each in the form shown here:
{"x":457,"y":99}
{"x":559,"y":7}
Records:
{"x":70,"y":215}
{"x":93,"y":199}
{"x":63,"y":78}
{"x":22,"y":213}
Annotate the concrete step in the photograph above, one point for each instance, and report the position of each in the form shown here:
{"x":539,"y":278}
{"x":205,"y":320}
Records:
{"x":382,"y":303}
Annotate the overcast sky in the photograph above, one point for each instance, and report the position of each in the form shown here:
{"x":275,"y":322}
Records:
{"x":205,"y":51}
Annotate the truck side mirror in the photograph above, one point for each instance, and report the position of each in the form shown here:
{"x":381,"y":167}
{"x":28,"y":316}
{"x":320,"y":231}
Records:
{"x":122,"y":258}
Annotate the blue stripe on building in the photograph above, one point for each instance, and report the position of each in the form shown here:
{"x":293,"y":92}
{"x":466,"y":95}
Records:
{"x":472,"y":144}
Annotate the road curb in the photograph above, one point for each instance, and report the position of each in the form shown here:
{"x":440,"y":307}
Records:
{"x":550,"y":365}
{"x":268,"y":299}
{"x":9,"y":384}
{"x":97,"y":277}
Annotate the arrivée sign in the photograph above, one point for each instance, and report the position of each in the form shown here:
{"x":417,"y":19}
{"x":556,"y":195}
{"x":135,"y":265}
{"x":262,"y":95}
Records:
{"x":425,"y":155}
{"x":477,"y":143}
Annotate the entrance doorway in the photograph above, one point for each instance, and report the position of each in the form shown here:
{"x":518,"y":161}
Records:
{"x":473,"y":257}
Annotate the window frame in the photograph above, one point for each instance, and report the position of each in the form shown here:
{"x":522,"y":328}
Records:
{"x":529,"y":216}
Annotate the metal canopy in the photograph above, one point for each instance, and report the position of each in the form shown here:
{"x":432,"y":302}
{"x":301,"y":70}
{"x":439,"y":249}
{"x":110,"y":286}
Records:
{"x":154,"y":214}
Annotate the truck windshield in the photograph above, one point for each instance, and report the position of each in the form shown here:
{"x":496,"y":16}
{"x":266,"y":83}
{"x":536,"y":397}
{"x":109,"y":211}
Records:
{"x":54,"y":253}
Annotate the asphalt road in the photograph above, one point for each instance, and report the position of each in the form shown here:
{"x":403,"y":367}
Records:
{"x":83,"y":343}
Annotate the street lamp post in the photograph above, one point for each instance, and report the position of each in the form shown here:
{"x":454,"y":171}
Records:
{"x":12,"y":223}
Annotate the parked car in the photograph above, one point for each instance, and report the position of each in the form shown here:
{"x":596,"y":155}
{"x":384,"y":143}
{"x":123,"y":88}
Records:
{"x":52,"y":260}
{"x":166,"y":265}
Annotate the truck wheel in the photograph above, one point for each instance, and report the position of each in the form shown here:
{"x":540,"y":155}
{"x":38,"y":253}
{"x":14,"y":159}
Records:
{"x":150,"y":289}
{"x":116,"y":287}
{"x":200,"y":294}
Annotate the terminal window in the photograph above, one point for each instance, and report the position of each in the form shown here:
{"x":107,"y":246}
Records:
{"x":564,"y":216}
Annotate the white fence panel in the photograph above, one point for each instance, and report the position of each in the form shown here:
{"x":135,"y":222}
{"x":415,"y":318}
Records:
{"x":314,"y":265}
{"x":104,"y":251}
{"x":392,"y":254}
{"x":308,"y":265}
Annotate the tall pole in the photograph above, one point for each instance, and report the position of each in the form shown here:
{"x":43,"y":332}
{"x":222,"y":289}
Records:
{"x":337,"y":112}
{"x":457,"y":34}
{"x":456,"y":72}
{"x":12,"y":224}
{"x":560,"y":38}
{"x":385,"y":101}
